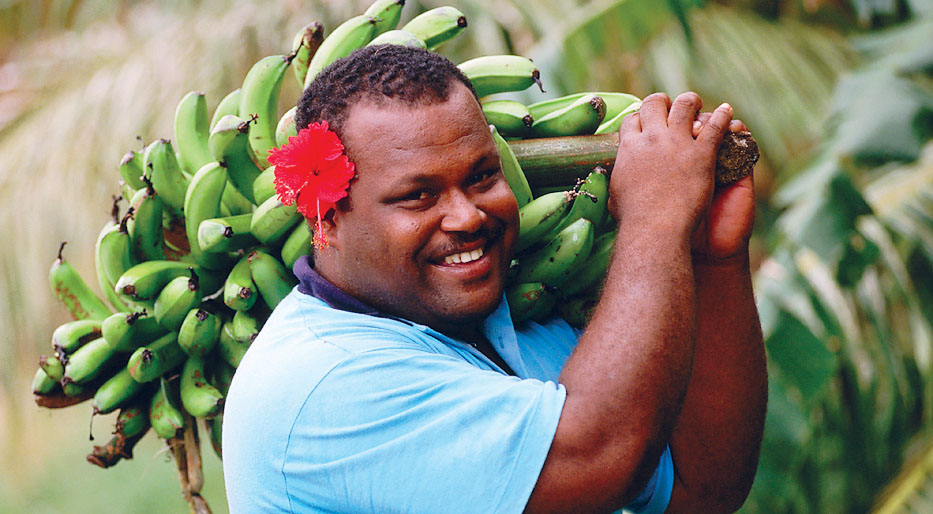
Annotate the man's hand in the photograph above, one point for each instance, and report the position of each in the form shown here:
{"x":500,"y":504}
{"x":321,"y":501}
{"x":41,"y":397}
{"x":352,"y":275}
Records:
{"x":663,"y":175}
{"x":723,"y":233}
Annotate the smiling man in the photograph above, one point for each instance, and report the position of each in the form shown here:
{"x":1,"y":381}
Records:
{"x":393,"y":380}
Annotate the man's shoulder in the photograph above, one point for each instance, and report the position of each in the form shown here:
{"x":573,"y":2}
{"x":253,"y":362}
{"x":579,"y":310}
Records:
{"x":304,"y":320}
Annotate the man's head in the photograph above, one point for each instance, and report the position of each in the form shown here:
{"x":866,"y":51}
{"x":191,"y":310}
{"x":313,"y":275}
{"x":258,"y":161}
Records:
{"x":379,"y":73}
{"x":430,"y":222}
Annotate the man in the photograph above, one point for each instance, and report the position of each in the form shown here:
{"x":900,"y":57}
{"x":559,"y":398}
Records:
{"x":392,"y":379}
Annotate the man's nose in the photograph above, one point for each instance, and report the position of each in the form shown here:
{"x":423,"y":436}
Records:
{"x":461,"y":214}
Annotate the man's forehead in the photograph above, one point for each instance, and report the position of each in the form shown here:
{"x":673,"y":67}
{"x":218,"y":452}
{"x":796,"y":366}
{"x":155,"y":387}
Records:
{"x":392,"y":125}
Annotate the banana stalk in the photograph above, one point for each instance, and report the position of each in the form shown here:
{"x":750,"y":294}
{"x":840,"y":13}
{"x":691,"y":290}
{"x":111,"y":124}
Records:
{"x":559,"y":161}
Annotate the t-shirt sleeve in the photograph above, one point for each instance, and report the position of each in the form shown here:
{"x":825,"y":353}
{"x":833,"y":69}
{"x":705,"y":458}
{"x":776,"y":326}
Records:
{"x":412,"y":431}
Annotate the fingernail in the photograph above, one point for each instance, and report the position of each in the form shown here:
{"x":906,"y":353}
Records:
{"x":697,"y":125}
{"x":726,"y":107}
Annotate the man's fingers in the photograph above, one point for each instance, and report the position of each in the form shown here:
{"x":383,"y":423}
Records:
{"x":703,"y":119}
{"x":631,"y":124}
{"x":713,"y":130}
{"x":654,"y":111}
{"x":737,"y":126}
{"x":684,"y":110}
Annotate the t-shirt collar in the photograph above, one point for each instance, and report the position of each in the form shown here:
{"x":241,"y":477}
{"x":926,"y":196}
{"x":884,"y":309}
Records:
{"x":311,"y":283}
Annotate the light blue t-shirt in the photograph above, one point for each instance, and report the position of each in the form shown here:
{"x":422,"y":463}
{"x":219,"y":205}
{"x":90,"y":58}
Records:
{"x":337,"y":411}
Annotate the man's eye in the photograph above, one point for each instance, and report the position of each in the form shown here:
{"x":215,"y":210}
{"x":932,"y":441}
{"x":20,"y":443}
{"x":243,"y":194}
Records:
{"x":484,"y":176}
{"x":420,"y":195}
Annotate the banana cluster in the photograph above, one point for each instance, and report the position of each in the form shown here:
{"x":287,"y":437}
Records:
{"x":565,"y":235}
{"x":191,"y":270}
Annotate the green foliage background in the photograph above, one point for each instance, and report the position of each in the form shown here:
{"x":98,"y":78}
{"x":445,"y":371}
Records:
{"x":838,"y":93}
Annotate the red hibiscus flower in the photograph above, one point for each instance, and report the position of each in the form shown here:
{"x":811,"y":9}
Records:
{"x":312,"y":170}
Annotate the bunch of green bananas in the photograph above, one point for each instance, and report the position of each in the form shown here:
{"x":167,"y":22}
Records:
{"x":565,"y":235}
{"x":205,"y":237}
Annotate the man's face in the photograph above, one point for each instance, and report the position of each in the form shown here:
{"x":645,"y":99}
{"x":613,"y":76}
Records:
{"x":432,"y":221}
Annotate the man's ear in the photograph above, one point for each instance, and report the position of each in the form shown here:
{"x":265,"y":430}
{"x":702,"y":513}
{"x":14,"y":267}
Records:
{"x":330,"y":225}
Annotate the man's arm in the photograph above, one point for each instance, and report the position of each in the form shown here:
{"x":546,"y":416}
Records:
{"x":718,"y":436}
{"x":628,"y":376}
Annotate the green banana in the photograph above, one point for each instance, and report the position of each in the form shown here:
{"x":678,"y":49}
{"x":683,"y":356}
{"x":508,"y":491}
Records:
{"x":179,"y":296}
{"x":132,"y":424}
{"x":131,"y":171}
{"x":199,"y":332}
{"x":615,"y":103}
{"x":240,"y":291}
{"x":52,"y":367}
{"x":166,"y":175}
{"x":74,"y":293}
{"x":259,"y":100}
{"x":437,"y":26}
{"x":132,"y":421}
{"x":222,"y":375}
{"x":612,"y":125}
{"x":229,"y":144}
{"x":164,"y":415}
{"x":347,"y":37}
{"x":228,"y":348}
{"x":264,"y":185}
{"x":512,"y":170}
{"x":560,"y":256}
{"x":87,"y":362}
{"x":233,"y":202}
{"x":145,"y":228}
{"x":42,"y":384}
{"x":398,"y":37}
{"x":272,"y":279}
{"x":150,"y":362}
{"x":589,"y":276}
{"x":581,"y":117}
{"x":540,"y":216}
{"x":115,"y":392}
{"x":215,"y":432}
{"x":272,"y":221}
{"x":387,"y":14}
{"x":305,"y":45}
{"x":71,"y":335}
{"x":202,"y":202}
{"x":221,"y":378}
{"x":244,"y":326}
{"x":590,"y":201}
{"x":529,"y":300}
{"x":297,"y":244}
{"x":510,"y":117}
{"x":144,"y":281}
{"x":127,"y":332}
{"x":198,"y":396}
{"x":286,"y":127}
{"x":112,"y":257}
{"x":492,"y":74}
{"x":226,"y":234}
{"x":192,"y":128}
{"x":78,"y":391}
{"x":577,"y":311}
{"x":229,"y":104}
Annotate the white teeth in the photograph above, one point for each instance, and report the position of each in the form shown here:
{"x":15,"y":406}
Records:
{"x":464,"y":257}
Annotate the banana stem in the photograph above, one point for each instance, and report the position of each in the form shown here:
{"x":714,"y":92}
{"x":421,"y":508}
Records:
{"x":561,"y":161}
{"x":177,"y":447}
{"x":193,"y":455}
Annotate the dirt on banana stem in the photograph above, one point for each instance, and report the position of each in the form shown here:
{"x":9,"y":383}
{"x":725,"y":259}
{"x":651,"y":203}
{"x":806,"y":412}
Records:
{"x":737,"y":155}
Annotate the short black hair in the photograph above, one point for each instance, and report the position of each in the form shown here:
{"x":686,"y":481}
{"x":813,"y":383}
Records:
{"x":411,"y":75}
